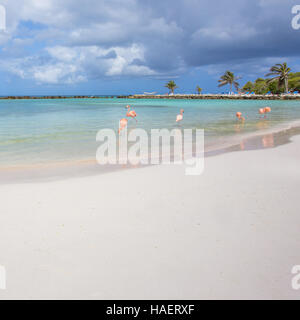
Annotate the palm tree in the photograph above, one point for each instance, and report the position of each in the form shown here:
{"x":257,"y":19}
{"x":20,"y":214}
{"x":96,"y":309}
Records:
{"x":171,"y":85}
{"x":281,"y":74}
{"x":229,"y":78}
{"x":198,"y":89}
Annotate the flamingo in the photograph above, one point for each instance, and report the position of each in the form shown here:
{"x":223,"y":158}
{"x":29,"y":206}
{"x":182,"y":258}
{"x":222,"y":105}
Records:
{"x":266,"y":110}
{"x":239,"y":116}
{"x":123,"y":124}
{"x":131,"y":113}
{"x":180,"y":116}
{"x":261,"y":111}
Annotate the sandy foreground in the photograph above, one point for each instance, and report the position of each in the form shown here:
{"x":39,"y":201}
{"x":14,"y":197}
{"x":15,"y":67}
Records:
{"x":155,"y":233}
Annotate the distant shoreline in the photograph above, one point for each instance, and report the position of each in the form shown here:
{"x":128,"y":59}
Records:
{"x":217,"y":97}
{"x":54,"y":97}
{"x":174,"y":97}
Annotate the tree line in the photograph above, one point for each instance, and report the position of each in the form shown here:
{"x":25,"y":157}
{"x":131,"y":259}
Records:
{"x":279,"y":80}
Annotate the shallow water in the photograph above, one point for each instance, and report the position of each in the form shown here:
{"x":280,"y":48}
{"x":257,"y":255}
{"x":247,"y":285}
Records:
{"x":46,"y":131}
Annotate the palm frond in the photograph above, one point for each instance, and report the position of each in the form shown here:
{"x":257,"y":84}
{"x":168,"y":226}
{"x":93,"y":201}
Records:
{"x":222,"y":84}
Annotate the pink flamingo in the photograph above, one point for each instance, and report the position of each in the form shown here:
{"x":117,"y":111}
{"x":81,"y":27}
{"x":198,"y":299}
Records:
{"x":131,"y":113}
{"x":261,"y":111}
{"x":265,"y":111}
{"x":180,"y":116}
{"x":239,"y":116}
{"x":123,"y":124}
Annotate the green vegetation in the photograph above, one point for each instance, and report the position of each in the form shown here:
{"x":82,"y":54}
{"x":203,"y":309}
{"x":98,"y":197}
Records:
{"x":280,"y":73}
{"x":294,"y":81}
{"x":171,"y":85}
{"x":261,"y":86}
{"x":277,"y":85}
{"x":279,"y":80}
{"x":248,"y":87}
{"x":229,"y":78}
{"x":199,"y":90}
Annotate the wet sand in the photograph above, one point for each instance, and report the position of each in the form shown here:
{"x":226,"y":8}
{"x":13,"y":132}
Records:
{"x":89,"y":167}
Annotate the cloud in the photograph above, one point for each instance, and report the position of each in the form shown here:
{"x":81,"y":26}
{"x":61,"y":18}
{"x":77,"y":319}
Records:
{"x":71,"y":65}
{"x":57,"y":73}
{"x":69,"y":41}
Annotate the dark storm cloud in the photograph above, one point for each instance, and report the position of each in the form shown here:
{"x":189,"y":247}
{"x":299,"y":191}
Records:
{"x":214,"y":32}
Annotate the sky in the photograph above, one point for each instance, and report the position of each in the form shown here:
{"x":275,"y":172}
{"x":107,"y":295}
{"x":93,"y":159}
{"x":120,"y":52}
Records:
{"x":98,"y":47}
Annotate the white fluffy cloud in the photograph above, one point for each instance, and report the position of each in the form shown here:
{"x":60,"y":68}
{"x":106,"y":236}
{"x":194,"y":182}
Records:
{"x":69,"y":65}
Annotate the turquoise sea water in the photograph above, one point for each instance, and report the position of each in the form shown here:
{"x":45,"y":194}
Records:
{"x":43,"y":131}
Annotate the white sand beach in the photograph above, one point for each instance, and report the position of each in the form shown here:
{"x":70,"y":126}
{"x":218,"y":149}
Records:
{"x":155,"y":233}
